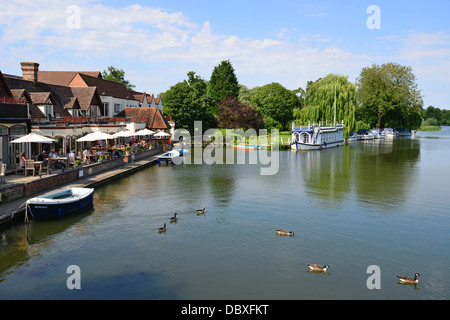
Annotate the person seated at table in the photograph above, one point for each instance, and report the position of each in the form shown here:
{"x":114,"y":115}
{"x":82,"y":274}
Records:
{"x":86,"y":152}
{"x":52,"y":154}
{"x":99,"y":152}
{"x":43,"y":157}
{"x":23,"y":159}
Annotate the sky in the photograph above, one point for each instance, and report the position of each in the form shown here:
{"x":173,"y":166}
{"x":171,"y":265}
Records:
{"x":290,"y":42}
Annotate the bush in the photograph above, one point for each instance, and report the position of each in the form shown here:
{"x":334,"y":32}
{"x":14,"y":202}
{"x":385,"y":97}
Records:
{"x":77,"y":163}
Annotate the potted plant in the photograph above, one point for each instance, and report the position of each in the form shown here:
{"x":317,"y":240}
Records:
{"x":127,"y":151}
{"x":77,"y":164}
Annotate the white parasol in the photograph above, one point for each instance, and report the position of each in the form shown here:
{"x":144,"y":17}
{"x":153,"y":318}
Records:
{"x":95,"y":136}
{"x":161,"y":134}
{"x":33,"y":137}
{"x":144,"y":132}
{"x":126,"y":133}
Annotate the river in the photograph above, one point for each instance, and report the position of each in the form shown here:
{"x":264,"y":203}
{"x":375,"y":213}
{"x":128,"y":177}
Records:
{"x":370,"y":210}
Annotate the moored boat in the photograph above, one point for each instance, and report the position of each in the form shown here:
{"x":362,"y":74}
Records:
{"x":59,"y":203}
{"x":245,"y":147}
{"x":317,"y":136}
{"x":390,"y":133}
{"x":168,"y":157}
{"x":378,"y":134}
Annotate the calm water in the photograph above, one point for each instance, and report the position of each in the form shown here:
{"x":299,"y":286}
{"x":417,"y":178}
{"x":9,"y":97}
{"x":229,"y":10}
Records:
{"x":367,"y":203}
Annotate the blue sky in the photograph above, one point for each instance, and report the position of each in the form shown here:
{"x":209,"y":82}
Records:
{"x":285,"y":41}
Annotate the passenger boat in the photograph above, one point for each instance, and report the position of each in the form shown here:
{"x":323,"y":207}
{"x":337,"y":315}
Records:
{"x":317,"y":136}
{"x":168,"y":157}
{"x":59,"y":203}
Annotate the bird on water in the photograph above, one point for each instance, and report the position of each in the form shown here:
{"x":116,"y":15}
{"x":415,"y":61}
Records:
{"x":162,"y":229}
{"x":285,"y":233}
{"x":318,"y":267}
{"x":409,"y":279}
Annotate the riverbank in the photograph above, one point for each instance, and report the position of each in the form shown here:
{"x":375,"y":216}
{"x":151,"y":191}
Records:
{"x":18,"y":189}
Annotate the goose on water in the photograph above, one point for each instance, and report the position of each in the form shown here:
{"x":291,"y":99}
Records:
{"x":201,"y":211}
{"x":285,"y":233}
{"x":162,"y":229}
{"x":409,"y":279}
{"x":318,"y":267}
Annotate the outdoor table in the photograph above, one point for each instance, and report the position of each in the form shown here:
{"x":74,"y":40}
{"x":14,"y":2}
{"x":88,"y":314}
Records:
{"x":39,"y":164}
{"x":91,"y":157}
{"x":64,"y":159}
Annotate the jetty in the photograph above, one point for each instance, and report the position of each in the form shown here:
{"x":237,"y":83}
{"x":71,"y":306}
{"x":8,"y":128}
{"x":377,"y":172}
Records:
{"x":90,"y":176}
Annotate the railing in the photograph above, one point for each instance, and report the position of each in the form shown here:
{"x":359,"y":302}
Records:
{"x":67,"y":121}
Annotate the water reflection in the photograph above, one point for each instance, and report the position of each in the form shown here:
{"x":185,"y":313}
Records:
{"x":379,"y":173}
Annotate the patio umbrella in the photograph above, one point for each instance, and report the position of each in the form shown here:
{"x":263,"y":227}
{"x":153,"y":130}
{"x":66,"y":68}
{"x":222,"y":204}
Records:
{"x":144,"y":132}
{"x":33,"y":137}
{"x":95,"y":136}
{"x":126,"y":133}
{"x":162,"y":134}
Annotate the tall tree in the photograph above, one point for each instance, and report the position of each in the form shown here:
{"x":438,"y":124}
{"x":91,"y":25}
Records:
{"x":222,"y":83}
{"x":389,"y":96}
{"x":320,"y":100}
{"x":117,"y":75}
{"x":186,"y":103}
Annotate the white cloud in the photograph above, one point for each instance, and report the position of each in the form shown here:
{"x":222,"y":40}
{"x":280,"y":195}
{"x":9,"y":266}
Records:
{"x":154,"y":37}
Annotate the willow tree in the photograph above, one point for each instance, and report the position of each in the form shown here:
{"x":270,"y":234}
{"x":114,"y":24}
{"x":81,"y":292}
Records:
{"x":320,"y":102}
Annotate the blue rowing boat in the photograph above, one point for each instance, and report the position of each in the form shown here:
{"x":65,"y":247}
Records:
{"x":60,"y":203}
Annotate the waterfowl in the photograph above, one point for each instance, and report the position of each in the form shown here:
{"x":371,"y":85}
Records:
{"x":285,"y":233}
{"x":162,"y":229}
{"x":318,"y":267}
{"x":174,"y":218}
{"x":409,"y":279}
{"x":201,"y":211}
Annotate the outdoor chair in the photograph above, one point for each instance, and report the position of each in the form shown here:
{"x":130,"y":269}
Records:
{"x":29,"y":165}
{"x":19,"y":168}
{"x":2,"y":173}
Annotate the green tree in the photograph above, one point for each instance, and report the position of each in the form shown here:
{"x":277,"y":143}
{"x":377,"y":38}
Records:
{"x":276,"y":104}
{"x":222,"y":83}
{"x":389,"y":96}
{"x":320,"y":101}
{"x":117,"y":75}
{"x":186,"y":103}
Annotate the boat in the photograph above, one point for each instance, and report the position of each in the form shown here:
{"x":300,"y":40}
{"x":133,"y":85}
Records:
{"x":365,"y":134}
{"x":402,"y":132}
{"x":353,"y":137}
{"x":317,"y":136}
{"x":168,"y":157}
{"x":59,"y":203}
{"x":378,"y":134}
{"x":245,"y":147}
{"x":390,"y":133}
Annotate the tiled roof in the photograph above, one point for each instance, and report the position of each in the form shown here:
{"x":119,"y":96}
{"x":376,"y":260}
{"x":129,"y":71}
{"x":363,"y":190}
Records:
{"x":63,"y":78}
{"x":104,"y":87}
{"x":151,"y":115}
{"x":64,"y":97}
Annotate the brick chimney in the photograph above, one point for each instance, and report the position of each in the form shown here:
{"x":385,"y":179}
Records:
{"x":30,"y":71}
